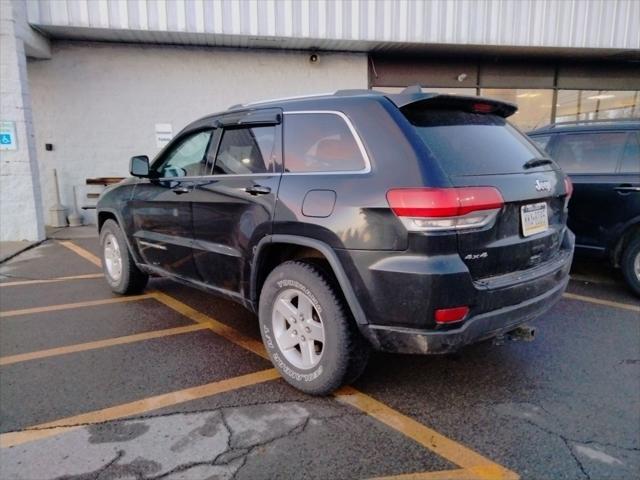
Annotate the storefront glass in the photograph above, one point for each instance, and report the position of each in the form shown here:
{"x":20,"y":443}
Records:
{"x":596,"y":104}
{"x":534,"y":106}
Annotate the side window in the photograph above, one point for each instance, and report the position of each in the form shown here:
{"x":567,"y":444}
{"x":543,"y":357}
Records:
{"x":542,"y":141}
{"x":589,"y":152}
{"x":187,"y":158}
{"x":631,"y":156}
{"x":246,"y":150}
{"x":319,"y":142}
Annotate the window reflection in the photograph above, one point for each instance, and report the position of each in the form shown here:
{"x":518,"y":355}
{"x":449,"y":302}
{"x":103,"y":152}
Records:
{"x":534,"y":106}
{"x":596,"y":104}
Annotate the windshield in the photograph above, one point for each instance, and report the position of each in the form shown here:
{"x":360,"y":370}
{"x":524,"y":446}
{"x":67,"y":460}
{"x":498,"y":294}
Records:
{"x":472,"y":143}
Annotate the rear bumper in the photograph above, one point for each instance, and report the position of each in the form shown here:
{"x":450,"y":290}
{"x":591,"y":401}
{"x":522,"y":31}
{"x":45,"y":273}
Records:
{"x":404,"y":292}
{"x":479,"y":327}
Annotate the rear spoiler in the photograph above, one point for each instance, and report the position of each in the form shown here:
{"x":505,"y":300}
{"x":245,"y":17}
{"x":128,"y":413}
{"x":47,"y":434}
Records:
{"x":409,"y":100}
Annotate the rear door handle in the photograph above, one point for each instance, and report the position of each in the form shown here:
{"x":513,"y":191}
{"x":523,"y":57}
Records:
{"x":626,"y":189}
{"x":258,"y":190}
{"x":181,"y":190}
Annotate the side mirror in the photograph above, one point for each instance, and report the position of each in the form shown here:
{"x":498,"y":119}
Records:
{"x":139,"y":166}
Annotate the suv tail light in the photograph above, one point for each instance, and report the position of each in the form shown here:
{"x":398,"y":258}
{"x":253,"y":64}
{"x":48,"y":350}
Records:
{"x":434,"y":209}
{"x":568,"y":187}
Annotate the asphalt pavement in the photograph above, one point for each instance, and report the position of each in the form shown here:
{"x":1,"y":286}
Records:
{"x":174,"y":384}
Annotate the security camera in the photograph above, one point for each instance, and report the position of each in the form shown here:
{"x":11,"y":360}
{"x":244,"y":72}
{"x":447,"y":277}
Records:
{"x":314,"y":58}
{"x":462,"y":77}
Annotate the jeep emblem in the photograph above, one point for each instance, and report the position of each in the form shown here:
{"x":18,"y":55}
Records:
{"x":543,"y":186}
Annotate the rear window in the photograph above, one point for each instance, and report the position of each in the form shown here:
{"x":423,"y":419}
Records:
{"x":319,"y":142}
{"x":472,"y":143}
{"x":589,"y":152}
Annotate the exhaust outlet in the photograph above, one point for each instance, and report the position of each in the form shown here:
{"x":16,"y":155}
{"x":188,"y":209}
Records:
{"x":523,"y":333}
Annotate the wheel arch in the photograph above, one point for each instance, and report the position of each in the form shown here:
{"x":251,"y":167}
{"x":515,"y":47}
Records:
{"x":628,"y":233}
{"x":105,"y":214}
{"x":274,"y":249}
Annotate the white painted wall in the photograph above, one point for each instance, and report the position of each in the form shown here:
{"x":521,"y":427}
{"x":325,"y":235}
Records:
{"x":98,"y":103}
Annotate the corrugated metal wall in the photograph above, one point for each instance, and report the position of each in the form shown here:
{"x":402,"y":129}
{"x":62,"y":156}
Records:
{"x":537,"y":23}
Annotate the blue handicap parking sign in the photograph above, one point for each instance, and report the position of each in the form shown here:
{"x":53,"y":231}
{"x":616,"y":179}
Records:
{"x":5,"y":138}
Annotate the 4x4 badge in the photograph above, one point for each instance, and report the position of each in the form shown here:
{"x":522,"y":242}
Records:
{"x":543,"y":186}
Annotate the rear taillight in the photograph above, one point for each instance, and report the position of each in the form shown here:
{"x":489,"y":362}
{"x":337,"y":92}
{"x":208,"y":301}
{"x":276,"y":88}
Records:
{"x":451,"y":315}
{"x":568,"y":186}
{"x":433,"y":209}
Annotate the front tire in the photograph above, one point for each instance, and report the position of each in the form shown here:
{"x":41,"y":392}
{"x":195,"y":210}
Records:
{"x":308,"y":331}
{"x":630,"y":263}
{"x":120,"y":270}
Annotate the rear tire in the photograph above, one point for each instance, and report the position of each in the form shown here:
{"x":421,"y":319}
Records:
{"x":308,"y":331}
{"x":630,"y":263}
{"x":120,"y":270}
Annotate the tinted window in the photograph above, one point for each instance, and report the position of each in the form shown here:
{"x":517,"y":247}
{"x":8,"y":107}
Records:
{"x":319,"y":142}
{"x":187,"y":158}
{"x":246,"y":150}
{"x":589,"y":152}
{"x":631,"y":155}
{"x":472,"y":143}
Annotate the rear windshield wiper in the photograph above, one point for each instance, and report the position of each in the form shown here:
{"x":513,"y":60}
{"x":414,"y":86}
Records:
{"x":537,"y":162}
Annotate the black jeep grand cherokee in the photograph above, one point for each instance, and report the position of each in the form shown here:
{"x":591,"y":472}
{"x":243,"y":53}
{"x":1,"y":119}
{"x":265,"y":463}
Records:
{"x":413,"y":223}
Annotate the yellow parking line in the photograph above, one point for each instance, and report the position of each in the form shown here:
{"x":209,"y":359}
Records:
{"x":599,"y":301}
{"x":52,"y":280}
{"x":474,"y":465}
{"x":138,"y":407}
{"x":217,"y":327}
{"x":68,"y":306}
{"x":82,"y":347}
{"x":457,"y":474}
{"x":462,"y":456}
{"x":86,"y":254}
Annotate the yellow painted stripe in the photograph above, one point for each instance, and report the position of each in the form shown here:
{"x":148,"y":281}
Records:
{"x":462,"y":456}
{"x":52,"y":280}
{"x":69,"y":306}
{"x":458,"y":474}
{"x":139,"y":407}
{"x":86,"y":254}
{"x":82,"y":347}
{"x":217,"y":327}
{"x":600,"y":301}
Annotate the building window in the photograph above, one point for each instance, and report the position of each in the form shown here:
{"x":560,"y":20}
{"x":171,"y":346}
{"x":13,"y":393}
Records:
{"x":575,"y":105}
{"x":534,"y":106}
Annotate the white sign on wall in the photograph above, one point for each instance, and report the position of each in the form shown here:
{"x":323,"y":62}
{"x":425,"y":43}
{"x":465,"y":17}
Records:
{"x":164,"y":133}
{"x":8,"y":136}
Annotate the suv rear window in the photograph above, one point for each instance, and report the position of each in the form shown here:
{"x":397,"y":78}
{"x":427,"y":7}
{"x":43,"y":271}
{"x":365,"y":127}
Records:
{"x":472,"y":143}
{"x":319,"y":142}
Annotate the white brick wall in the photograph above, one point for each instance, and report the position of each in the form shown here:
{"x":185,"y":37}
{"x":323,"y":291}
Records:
{"x":98,"y":103}
{"x":20,"y":202}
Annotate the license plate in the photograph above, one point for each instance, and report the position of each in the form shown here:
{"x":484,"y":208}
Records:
{"x":534,"y":218}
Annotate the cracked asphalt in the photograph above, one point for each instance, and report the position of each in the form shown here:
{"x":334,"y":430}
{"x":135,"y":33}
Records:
{"x":565,"y":406}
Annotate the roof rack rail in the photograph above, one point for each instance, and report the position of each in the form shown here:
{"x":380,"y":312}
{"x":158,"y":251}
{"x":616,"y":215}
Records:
{"x":602,"y":120}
